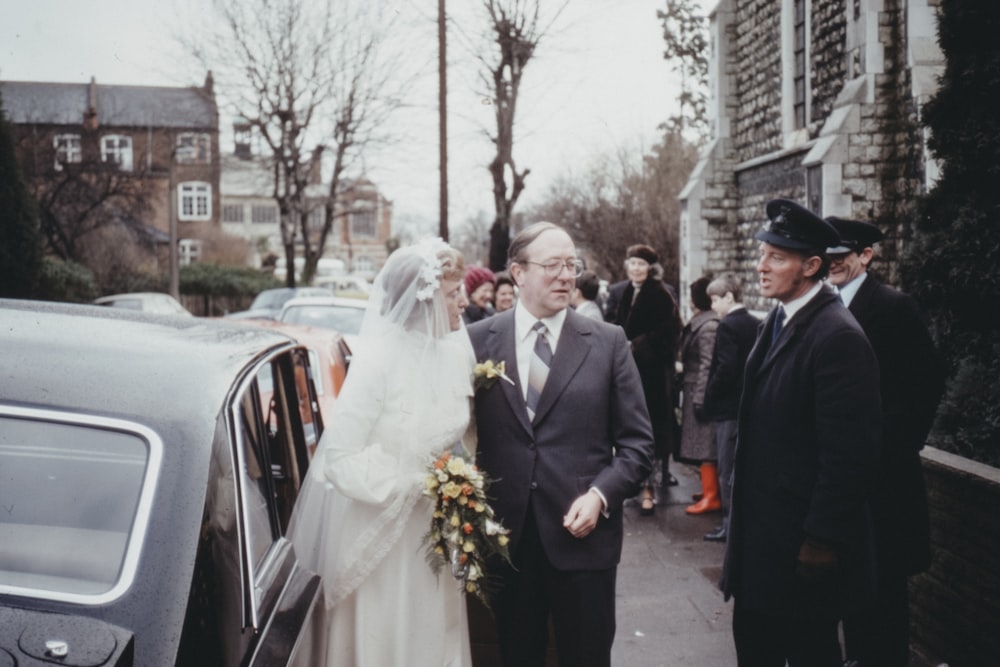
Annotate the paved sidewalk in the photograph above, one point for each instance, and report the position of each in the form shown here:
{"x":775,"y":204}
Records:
{"x":670,"y":611}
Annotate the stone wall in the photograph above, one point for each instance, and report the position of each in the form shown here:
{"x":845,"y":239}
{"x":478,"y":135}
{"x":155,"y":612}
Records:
{"x":757,"y":63}
{"x":955,"y":605}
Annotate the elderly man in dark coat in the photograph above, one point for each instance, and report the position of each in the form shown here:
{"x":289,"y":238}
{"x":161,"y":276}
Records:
{"x":800,"y":545}
{"x":912,"y":380}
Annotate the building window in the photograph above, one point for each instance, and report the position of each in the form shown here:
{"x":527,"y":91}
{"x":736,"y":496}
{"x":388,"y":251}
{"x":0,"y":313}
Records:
{"x":232,"y":213}
{"x":814,"y":189}
{"x":317,"y":217}
{"x":117,"y":149}
{"x":188,"y":251}
{"x":363,"y":223}
{"x":194,"y":201}
{"x":801,"y":69}
{"x":264,"y":215}
{"x":364,"y":264}
{"x":194,"y":148}
{"x":67,"y":150}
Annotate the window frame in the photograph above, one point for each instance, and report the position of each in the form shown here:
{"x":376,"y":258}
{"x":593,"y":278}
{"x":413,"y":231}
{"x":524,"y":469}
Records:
{"x":120,"y":153}
{"x":259,"y":581}
{"x":71,"y":150}
{"x":195,"y":192}
{"x":143,"y":508}
{"x":193,"y":148}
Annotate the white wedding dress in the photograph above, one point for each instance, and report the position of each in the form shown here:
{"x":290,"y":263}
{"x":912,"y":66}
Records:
{"x":361,"y":517}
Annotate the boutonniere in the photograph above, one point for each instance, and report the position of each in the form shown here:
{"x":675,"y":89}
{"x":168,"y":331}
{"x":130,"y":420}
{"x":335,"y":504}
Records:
{"x":486,"y":373}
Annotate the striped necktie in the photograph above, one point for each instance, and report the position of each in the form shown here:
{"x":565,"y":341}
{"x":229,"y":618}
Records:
{"x":538,"y":367}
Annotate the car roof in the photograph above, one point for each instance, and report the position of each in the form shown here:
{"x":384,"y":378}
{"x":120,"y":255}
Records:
{"x":116,"y":362}
{"x":326,"y":301}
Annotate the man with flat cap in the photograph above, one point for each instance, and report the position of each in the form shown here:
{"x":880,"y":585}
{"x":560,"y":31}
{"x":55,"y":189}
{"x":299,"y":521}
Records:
{"x":912,"y":379}
{"x":809,"y":433}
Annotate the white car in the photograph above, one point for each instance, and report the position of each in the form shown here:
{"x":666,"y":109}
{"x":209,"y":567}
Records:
{"x":327,"y":312}
{"x":147,"y":302}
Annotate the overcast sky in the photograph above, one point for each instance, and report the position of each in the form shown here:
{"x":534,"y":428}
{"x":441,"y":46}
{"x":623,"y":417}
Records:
{"x":598,"y":82}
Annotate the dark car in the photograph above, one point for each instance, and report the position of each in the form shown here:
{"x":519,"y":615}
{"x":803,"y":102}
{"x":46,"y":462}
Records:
{"x":148,"y":469}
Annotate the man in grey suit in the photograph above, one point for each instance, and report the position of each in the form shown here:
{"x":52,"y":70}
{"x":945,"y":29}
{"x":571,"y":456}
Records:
{"x":567,"y":441}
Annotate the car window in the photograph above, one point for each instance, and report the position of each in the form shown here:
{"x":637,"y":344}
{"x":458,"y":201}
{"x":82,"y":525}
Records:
{"x":345,"y":319}
{"x":278,"y":419}
{"x":75,"y":494}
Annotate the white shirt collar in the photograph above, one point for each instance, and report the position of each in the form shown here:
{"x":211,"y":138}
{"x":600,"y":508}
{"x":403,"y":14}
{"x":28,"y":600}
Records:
{"x":523,"y":321}
{"x":850,"y":290}
{"x":795,"y":305}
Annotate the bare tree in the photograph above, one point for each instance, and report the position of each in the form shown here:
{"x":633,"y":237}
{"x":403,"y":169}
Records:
{"x":685,"y":36}
{"x":309,"y":79}
{"x":617,"y":201}
{"x":516,"y":29}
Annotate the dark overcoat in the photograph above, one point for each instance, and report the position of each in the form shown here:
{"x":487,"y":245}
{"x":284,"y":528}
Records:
{"x":652,"y":325}
{"x":591,"y":429}
{"x":912,"y":380}
{"x":734,"y":338}
{"x":809,"y":436}
{"x":697,"y":343}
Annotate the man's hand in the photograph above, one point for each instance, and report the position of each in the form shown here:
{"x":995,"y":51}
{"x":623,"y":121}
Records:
{"x":816,"y":560}
{"x":581,"y":519}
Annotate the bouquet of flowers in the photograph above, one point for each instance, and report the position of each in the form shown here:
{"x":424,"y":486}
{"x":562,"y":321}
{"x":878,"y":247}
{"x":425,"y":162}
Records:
{"x":463,"y":530}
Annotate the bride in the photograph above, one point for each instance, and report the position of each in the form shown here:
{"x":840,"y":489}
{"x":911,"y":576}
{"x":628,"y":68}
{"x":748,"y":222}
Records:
{"x":361,"y":517}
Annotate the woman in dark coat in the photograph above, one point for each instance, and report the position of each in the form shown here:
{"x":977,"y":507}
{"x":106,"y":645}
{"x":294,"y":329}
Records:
{"x":650,"y":318}
{"x":698,"y":434}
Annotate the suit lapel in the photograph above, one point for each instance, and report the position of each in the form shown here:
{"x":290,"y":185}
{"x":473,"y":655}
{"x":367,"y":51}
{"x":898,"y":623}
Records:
{"x":861,"y":303}
{"x":501,"y":347}
{"x":573,"y":348}
{"x":788,"y":332}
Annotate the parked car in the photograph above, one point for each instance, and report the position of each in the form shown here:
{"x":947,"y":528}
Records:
{"x":268,"y":303}
{"x":148,"y":470}
{"x":328,"y":312}
{"x":350,"y":286}
{"x":147,"y":302}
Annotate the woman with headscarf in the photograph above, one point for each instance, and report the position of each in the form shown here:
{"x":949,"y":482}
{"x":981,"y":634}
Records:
{"x":648,"y":314}
{"x":361,"y":518}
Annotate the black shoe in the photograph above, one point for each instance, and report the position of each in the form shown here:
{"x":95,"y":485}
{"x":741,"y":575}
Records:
{"x":645,"y":510}
{"x":671,"y":480}
{"x":717,"y":535}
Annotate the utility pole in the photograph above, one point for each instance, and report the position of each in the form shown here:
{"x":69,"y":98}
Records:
{"x":443,"y":117}
{"x":175,"y":289}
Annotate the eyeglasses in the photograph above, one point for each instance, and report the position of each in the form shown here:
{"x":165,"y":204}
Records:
{"x":554,"y":267}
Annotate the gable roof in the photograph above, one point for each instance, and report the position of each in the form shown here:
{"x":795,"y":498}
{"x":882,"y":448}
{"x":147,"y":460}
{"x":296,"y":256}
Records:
{"x":119,"y":106}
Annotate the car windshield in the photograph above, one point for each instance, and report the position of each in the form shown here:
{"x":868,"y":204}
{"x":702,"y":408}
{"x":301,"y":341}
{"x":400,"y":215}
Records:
{"x":345,"y":319}
{"x":72,"y":496}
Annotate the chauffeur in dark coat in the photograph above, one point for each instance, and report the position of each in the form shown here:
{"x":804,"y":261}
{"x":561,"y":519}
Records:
{"x":912,"y":380}
{"x":800,"y":544}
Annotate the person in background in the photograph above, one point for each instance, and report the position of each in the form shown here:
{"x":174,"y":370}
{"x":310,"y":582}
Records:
{"x":479,"y":289}
{"x":912,"y":380}
{"x":734,"y":338}
{"x":800,"y":548}
{"x":584,"y":296}
{"x":646,"y":312}
{"x":697,"y":433}
{"x":566,"y":440}
{"x":503,"y":294}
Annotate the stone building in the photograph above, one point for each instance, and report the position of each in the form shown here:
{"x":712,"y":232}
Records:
{"x":817,"y":101}
{"x":362,"y":224}
{"x":163,"y":140}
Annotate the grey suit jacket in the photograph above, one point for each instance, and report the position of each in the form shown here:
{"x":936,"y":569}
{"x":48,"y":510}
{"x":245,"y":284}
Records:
{"x":591,"y":429}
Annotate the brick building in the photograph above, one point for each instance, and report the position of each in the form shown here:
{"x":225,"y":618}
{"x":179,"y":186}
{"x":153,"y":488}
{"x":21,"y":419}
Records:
{"x":362,"y":225}
{"x":165,"y":140}
{"x":817,"y":101}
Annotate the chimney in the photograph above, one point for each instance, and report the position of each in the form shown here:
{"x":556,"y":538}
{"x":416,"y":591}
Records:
{"x":209,"y":84}
{"x":90,"y":115}
{"x":241,"y":138}
{"x":316,"y":166}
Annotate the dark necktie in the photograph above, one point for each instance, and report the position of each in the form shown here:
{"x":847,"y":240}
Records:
{"x":779,"y":319}
{"x":538,"y":367}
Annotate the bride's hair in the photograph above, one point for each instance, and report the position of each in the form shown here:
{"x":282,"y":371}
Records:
{"x":407,"y":292}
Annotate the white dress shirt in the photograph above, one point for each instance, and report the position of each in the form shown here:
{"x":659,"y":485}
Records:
{"x":848,"y":291}
{"x":525,"y":339}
